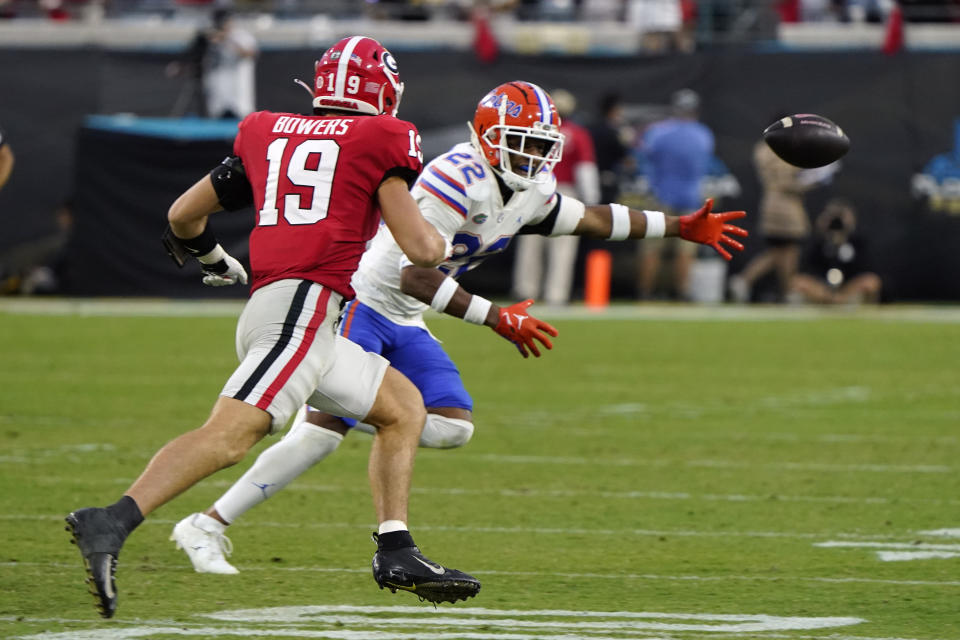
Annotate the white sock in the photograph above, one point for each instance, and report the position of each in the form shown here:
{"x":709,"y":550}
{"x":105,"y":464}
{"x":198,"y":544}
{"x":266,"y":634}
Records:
{"x":305,"y":445}
{"x":205,"y":523}
{"x":389,"y":526}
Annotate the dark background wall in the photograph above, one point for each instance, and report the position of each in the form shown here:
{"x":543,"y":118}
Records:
{"x":899,"y":112}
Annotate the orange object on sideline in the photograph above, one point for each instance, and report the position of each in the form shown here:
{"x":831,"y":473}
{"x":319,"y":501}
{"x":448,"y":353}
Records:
{"x":596,"y":290}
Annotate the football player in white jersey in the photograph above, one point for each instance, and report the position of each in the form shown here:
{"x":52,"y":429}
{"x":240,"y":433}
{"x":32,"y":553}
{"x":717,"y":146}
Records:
{"x":479,"y":195}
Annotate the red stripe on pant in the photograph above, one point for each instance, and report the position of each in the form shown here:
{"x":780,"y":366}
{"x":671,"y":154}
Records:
{"x":319,"y":313}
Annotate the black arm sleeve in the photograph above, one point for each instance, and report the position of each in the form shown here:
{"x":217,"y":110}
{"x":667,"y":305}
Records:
{"x":230,"y":182}
{"x":545,"y":226}
{"x":409,"y":175}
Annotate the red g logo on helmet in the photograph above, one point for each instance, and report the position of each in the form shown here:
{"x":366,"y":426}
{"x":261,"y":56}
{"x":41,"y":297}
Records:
{"x":357,"y":74}
{"x":516,"y":129}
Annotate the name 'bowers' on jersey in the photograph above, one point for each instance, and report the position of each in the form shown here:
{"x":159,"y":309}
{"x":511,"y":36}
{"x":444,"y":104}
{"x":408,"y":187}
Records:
{"x":312,"y":126}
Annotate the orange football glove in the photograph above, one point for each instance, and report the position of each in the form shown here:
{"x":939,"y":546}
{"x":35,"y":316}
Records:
{"x":711,"y":228}
{"x":520,"y":328}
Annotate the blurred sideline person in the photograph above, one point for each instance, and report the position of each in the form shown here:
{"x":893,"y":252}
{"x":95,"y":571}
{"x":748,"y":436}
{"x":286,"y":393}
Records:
{"x":320,"y":184}
{"x":678,"y":152}
{"x":35,"y":266}
{"x":220,"y":65}
{"x":229,"y":81}
{"x":611,"y":142}
{"x":783,"y":221}
{"x":660,"y":24}
{"x":6,"y":159}
{"x":834,"y":267}
{"x":30,"y":267}
{"x":552,"y":260}
{"x":479,"y":195}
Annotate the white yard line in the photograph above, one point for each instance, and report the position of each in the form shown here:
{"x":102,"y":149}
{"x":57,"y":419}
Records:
{"x":651,"y":577}
{"x":911,"y":546}
{"x":539,"y":494}
{"x":880,"y":541}
{"x":354,"y":622}
{"x":709,"y":463}
{"x":621,"y":311}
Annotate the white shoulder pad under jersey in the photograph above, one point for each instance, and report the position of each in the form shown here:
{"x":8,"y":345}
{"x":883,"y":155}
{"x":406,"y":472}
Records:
{"x":457,"y":193}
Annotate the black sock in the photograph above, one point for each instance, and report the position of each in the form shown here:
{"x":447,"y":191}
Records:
{"x":126,"y":512}
{"x":395,"y":540}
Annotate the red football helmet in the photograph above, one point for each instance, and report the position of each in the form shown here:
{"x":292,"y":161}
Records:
{"x":517,"y":130}
{"x":357,"y":74}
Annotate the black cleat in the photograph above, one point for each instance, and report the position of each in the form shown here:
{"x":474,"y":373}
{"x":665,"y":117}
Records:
{"x":99,"y":537}
{"x":407,"y":569}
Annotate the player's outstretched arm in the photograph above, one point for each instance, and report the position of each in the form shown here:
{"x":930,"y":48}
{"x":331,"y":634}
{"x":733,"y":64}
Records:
{"x":191,"y":235}
{"x":618,"y":222}
{"x":445,"y":295}
{"x":418,"y":239}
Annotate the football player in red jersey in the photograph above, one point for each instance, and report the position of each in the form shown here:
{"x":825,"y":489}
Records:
{"x":480,"y":194}
{"x":319,"y":185}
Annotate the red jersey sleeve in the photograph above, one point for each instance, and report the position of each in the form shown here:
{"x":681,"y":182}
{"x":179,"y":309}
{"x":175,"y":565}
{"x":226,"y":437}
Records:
{"x":394,"y":147}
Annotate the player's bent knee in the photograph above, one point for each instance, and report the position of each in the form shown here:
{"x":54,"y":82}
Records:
{"x":398,"y":401}
{"x":233,"y":428}
{"x":441,"y":432}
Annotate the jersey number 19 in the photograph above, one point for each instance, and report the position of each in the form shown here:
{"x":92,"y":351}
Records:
{"x":319,"y":179}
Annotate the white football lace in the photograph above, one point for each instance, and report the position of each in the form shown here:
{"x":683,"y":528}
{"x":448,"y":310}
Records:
{"x":223,"y":542}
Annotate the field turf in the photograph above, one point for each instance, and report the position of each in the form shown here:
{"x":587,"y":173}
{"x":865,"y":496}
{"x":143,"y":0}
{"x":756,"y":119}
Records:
{"x":665,"y":472}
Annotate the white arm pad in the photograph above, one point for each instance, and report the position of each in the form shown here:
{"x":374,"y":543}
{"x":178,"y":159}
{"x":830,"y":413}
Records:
{"x":656,"y":224}
{"x":477,"y":310}
{"x":570,"y":214}
{"x":619,"y":222}
{"x":443,"y":294}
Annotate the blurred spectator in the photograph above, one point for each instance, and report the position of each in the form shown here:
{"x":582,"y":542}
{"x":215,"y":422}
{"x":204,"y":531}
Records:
{"x":577,"y":176}
{"x":834,"y":267}
{"x":612,"y":138}
{"x":677,"y":152}
{"x":660,"y":24}
{"x":219,"y":66}
{"x":783,"y":220}
{"x":229,"y":81}
{"x":485,"y":45}
{"x":6,"y":159}
{"x":893,"y":39}
{"x":601,"y":10}
{"x":34,"y":267}
{"x":398,"y":10}
{"x":54,"y":10}
{"x":822,"y":10}
{"x":930,"y":10}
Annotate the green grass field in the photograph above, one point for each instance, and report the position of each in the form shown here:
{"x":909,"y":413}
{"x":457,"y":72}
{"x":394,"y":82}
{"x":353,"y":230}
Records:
{"x":680,"y":473}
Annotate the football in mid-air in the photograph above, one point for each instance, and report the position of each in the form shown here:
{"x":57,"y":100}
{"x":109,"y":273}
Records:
{"x":807,"y":140}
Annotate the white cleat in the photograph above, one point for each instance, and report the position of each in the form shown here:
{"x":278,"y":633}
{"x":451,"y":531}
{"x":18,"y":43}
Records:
{"x":202,"y":539}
